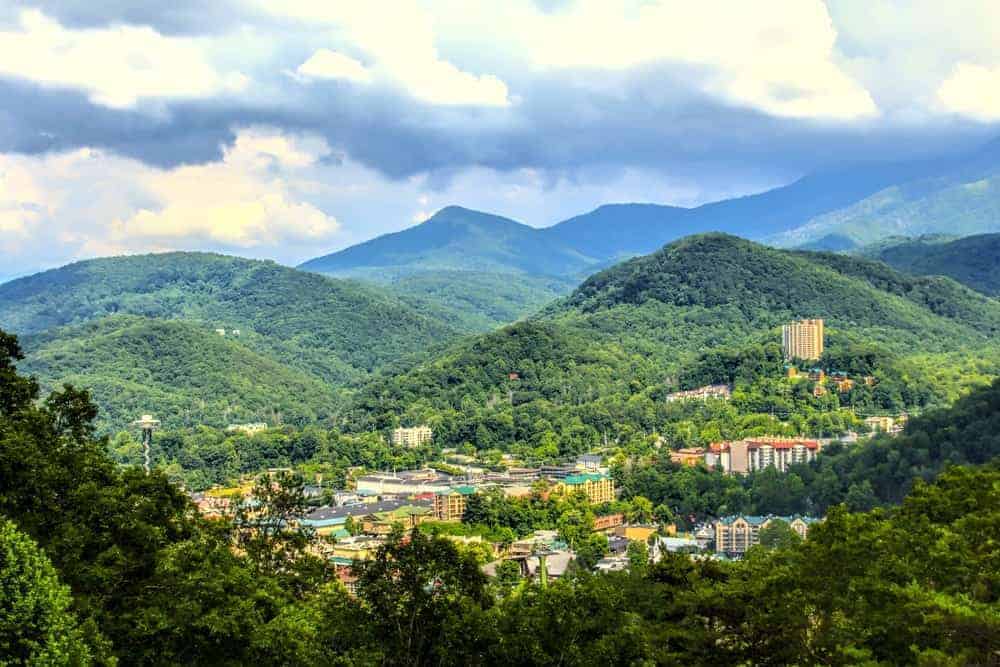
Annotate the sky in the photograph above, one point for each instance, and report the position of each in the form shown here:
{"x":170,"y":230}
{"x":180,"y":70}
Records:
{"x":288,"y":129}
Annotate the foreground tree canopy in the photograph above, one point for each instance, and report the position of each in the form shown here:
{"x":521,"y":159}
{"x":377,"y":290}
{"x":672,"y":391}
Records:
{"x":150,"y":582}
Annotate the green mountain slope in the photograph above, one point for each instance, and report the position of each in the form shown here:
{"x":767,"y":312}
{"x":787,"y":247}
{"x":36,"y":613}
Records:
{"x":474,"y":301}
{"x":458,"y":238}
{"x":736,"y":287}
{"x":973,"y":261}
{"x":455,"y":238}
{"x":181,"y":371}
{"x":596,"y":365}
{"x":335,"y":330}
{"x":960,"y":198}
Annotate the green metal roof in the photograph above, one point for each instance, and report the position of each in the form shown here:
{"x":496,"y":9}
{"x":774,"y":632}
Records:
{"x":583,"y":478}
{"x":464,"y":490}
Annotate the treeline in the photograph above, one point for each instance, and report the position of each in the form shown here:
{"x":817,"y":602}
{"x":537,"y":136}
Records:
{"x":204,"y":456}
{"x":877,"y":473}
{"x":543,"y":391}
{"x":104,"y":565}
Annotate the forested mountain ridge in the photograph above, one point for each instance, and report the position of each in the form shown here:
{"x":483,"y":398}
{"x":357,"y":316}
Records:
{"x":456,"y":238}
{"x":973,"y":261}
{"x":960,"y":196}
{"x":757,"y":286}
{"x":601,"y":360}
{"x":182,"y":371}
{"x":336,"y":330}
{"x":199,"y":337}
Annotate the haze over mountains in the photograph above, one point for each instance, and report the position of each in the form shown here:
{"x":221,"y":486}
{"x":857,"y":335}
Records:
{"x":835,"y":209}
{"x":141,"y":330}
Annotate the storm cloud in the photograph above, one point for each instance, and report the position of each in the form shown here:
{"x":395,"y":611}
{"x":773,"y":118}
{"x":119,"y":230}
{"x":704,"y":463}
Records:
{"x":533,"y":110}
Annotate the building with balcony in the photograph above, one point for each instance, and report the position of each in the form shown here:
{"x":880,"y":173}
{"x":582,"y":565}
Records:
{"x":751,"y":454}
{"x":412,"y":437}
{"x":449,"y":505}
{"x":734,"y":535}
{"x":599,"y":488}
{"x":802,"y":339}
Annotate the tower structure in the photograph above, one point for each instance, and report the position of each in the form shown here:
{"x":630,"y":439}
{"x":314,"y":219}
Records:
{"x":147,"y":425}
{"x":802,"y":339}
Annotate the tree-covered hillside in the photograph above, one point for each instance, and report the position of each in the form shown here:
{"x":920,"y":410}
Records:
{"x":475,"y":301}
{"x":738,"y":286}
{"x":594,"y":368}
{"x":456,"y":238}
{"x":183,"y":372}
{"x":973,"y":261}
{"x":337,"y":331}
{"x":289,"y":339}
{"x":959,"y":196}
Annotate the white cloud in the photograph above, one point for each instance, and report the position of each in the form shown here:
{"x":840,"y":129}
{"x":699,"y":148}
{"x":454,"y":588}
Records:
{"x":117,"y":66}
{"x":776,"y":55}
{"x":972,"y":90}
{"x":87,"y":202}
{"x":399,"y":37}
{"x":327,"y":64}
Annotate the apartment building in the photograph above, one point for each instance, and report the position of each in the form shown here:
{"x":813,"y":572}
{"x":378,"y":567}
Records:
{"x":734,"y":535}
{"x":751,"y":454}
{"x":412,"y":437}
{"x":598,"y":487}
{"x":802,"y":339}
{"x":449,"y":505}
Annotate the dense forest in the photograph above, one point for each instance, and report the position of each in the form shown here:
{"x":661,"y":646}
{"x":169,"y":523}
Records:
{"x":475,"y":301}
{"x":186,"y":373}
{"x":589,"y":370}
{"x":593,"y":370}
{"x":973,"y":261}
{"x":323,"y":333}
{"x":108,"y":565}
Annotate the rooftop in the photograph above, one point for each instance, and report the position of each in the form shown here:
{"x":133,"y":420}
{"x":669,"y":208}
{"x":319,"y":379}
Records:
{"x":584,"y":477}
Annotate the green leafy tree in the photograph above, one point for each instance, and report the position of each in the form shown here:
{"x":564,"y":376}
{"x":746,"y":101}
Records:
{"x":266,"y":528}
{"x":777,"y":534}
{"x":638,"y":556}
{"x":591,"y":549}
{"x":420,"y":592}
{"x":37,"y":625}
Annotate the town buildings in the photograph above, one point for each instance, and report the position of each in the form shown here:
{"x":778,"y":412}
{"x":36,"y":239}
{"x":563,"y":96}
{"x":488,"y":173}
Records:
{"x":449,"y":505}
{"x":718,"y":391}
{"x":598,"y":487}
{"x":734,"y":535}
{"x":751,"y":454}
{"x":412,"y":437}
{"x":608,"y":521}
{"x":802,"y":339}
{"x":688,"y":456}
{"x":404,"y":483}
{"x":890,"y":425}
{"x":247,"y":429}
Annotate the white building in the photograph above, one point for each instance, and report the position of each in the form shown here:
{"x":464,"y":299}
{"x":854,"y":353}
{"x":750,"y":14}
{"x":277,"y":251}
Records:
{"x":412,"y":437}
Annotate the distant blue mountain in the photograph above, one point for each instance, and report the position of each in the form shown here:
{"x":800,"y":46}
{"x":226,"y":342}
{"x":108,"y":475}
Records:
{"x":461,"y":239}
{"x":456,"y":238}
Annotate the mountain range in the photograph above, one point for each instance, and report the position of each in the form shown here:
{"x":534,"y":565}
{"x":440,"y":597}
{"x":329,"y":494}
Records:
{"x":610,"y":351}
{"x":973,"y":260}
{"x":834,"y":209}
{"x":207,"y":335}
